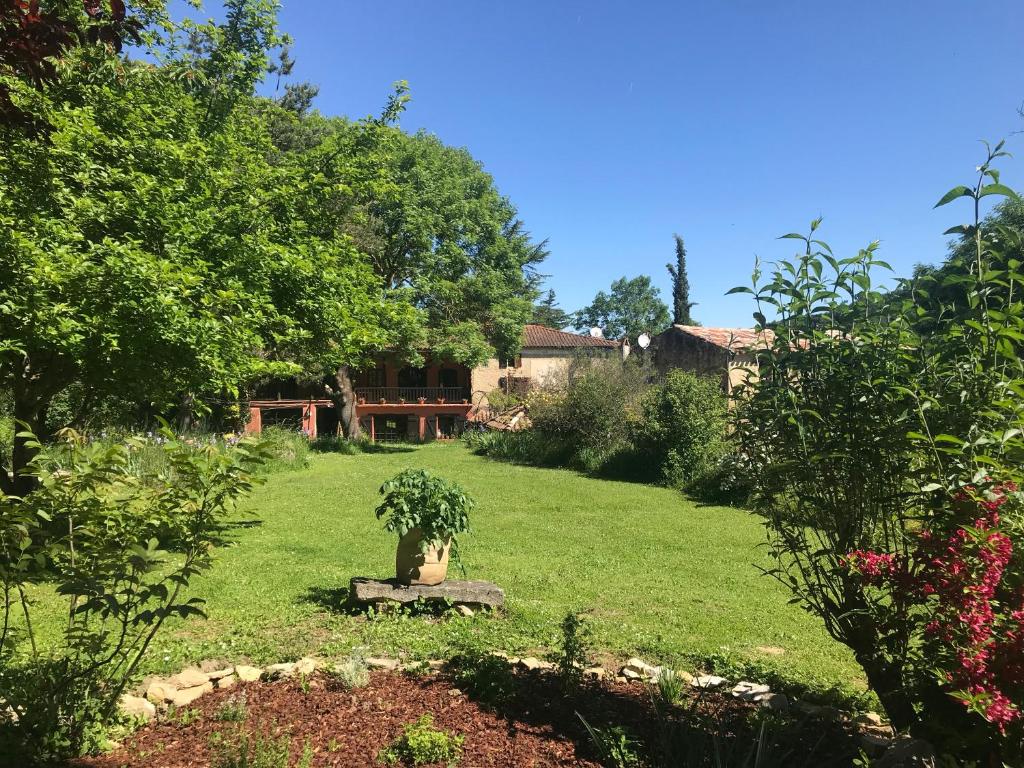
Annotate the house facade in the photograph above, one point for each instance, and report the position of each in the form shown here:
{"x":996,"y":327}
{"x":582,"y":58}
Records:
{"x":396,"y":402}
{"x":725,"y":353}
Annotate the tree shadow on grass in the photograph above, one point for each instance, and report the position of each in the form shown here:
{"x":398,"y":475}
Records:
{"x":704,"y":729}
{"x":348,"y":448}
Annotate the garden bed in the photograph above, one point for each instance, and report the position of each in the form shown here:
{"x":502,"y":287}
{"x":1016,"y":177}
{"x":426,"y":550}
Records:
{"x":529,"y":722}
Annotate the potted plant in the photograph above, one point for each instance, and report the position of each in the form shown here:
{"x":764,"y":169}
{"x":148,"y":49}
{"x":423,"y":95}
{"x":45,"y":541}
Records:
{"x":401,"y":401}
{"x":421,"y":400}
{"x":428,"y":513}
{"x":440,"y":401}
{"x":362,"y":401}
{"x":383,"y":401}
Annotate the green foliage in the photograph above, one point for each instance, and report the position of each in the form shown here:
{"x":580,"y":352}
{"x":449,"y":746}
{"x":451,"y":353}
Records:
{"x":681,"y":304}
{"x":421,"y":744}
{"x":234,"y":710}
{"x":352,"y":672}
{"x":681,"y":427}
{"x":633,"y":307}
{"x":615,"y":747}
{"x":245,"y":750}
{"x":121,"y":546}
{"x":872,"y":413}
{"x":415,"y":498}
{"x":574,"y":655}
{"x":547,"y":313}
{"x":486,"y":677}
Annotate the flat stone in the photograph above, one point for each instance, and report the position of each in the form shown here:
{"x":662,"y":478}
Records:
{"x":277,"y":671}
{"x":137,"y":706}
{"x":465,"y":610}
{"x":709,"y":681}
{"x":160,"y":691}
{"x":186,"y":696}
{"x":217,"y":674}
{"x":869,"y":718}
{"x":595,"y":673}
{"x":228,"y":681}
{"x":209,"y":666}
{"x":389,"y":664}
{"x":747,"y":691}
{"x":777,"y":702}
{"x":640,"y":668}
{"x":305,"y":666}
{"x":472,"y":593}
{"x":189,"y":678}
{"x":531,"y":664}
{"x":248,"y":674}
{"x":435,"y":665}
{"x":907,"y":752}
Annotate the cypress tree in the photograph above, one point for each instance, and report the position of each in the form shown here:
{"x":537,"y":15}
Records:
{"x":681,"y":303}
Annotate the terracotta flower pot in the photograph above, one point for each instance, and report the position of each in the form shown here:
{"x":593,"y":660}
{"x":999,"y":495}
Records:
{"x":465,"y":401}
{"x":421,"y":400}
{"x":383,"y":401}
{"x":362,"y":401}
{"x":401,"y":401}
{"x":413,"y":567}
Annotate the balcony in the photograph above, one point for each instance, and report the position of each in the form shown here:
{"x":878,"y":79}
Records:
{"x":395,"y":395}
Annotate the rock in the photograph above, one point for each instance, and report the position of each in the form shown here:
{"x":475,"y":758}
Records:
{"x":278,"y":671}
{"x":640,"y":668}
{"x":228,"y":681}
{"x":186,"y":696}
{"x":305,"y":666}
{"x":435,"y":665}
{"x":873,"y":743}
{"x":217,"y":674}
{"x":248,"y":674}
{"x":907,"y":752}
{"x":869,"y":718}
{"x":389,"y":664}
{"x":136,"y":706}
{"x":630,"y":674}
{"x":595,"y":673}
{"x":472,"y":593}
{"x":747,"y":691}
{"x":777,"y":702}
{"x":189,"y":678}
{"x":160,"y":691}
{"x":210,"y":666}
{"x":709,"y":681}
{"x":465,"y":610}
{"x":531,"y":664}
{"x":621,"y":679}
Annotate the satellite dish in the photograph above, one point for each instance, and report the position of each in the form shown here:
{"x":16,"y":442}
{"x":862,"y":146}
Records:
{"x":596,"y":332}
{"x":643,"y":340}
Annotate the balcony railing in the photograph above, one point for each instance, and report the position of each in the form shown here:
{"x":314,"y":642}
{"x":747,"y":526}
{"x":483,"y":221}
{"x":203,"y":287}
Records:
{"x":393,"y":395}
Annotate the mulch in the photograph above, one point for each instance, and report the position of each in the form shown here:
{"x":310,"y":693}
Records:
{"x":537,"y":727}
{"x":349,"y":728}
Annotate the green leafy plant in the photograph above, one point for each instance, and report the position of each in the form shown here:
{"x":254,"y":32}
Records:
{"x":615,"y":747}
{"x":234,"y":710}
{"x":573,"y":655}
{"x":486,"y":677}
{"x":421,"y":743}
{"x":245,"y":750}
{"x":352,"y":672}
{"x":415,"y":498}
{"x":121,"y":547}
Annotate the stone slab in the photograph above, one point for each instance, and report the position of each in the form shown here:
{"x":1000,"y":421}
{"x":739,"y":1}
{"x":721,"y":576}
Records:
{"x":475,"y":593}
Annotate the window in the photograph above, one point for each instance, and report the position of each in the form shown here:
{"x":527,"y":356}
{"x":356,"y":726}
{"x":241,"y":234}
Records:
{"x":449,"y":378}
{"x":412,"y":377}
{"x":507,"y":362}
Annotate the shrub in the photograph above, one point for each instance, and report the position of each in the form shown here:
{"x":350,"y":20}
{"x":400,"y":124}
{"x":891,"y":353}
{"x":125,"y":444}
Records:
{"x":681,"y":427}
{"x":573,"y":656}
{"x":122,"y":546}
{"x":887,"y":443}
{"x":352,"y":672}
{"x":421,"y":744}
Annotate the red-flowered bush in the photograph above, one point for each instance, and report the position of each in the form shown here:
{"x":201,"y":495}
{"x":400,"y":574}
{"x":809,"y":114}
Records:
{"x":965,"y":601}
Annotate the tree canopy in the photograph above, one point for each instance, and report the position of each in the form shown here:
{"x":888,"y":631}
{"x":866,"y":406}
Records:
{"x":633,"y":307}
{"x":681,"y":304}
{"x":547,"y":313}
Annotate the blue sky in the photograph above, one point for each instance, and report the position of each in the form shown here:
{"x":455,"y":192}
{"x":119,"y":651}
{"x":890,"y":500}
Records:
{"x":612,"y":125}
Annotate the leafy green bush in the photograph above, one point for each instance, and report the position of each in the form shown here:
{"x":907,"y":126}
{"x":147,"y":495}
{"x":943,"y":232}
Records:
{"x":421,"y":744}
{"x":486,"y":677}
{"x":573,"y":656}
{"x":681,"y":427}
{"x":416,"y":499}
{"x":122,"y":546}
{"x":351,"y":673}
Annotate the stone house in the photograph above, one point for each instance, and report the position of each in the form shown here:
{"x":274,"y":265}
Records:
{"x":726,"y":353}
{"x":399,"y":402}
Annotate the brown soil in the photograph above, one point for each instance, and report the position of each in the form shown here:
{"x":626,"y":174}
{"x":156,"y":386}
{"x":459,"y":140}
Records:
{"x":537,"y":727}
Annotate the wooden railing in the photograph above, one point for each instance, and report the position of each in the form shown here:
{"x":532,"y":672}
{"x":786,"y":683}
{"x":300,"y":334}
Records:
{"x":412,"y":394}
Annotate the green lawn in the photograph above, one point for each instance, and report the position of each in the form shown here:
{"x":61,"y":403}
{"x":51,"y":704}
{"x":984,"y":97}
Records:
{"x":664,"y":577}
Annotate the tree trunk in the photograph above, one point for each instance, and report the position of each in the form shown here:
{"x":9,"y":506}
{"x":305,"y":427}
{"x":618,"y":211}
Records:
{"x":344,"y":396}
{"x":886,"y":680}
{"x":29,"y":415}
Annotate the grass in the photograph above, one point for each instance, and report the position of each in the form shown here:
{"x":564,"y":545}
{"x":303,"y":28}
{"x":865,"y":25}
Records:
{"x":661,"y":577}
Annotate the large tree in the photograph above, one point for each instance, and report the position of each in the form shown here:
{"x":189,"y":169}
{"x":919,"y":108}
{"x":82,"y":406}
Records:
{"x":151,"y":251}
{"x":548,"y":313}
{"x":432,"y":225}
{"x":681,"y":304}
{"x":633,"y":307}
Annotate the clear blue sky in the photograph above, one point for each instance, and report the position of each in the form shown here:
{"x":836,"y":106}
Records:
{"x":612,"y":125}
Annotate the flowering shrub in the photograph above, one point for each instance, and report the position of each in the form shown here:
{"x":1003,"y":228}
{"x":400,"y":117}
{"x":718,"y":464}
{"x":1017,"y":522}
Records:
{"x":968,"y":616}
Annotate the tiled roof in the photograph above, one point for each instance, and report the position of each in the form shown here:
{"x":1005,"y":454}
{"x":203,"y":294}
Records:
{"x":549,"y":338}
{"x":732,"y":339}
